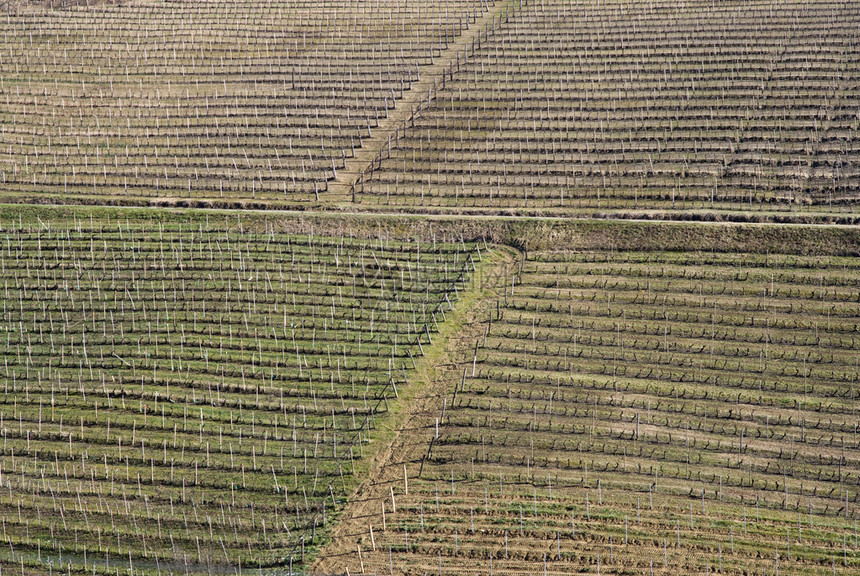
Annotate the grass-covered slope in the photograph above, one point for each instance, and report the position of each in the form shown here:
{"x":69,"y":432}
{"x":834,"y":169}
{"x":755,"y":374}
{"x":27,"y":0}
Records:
{"x":185,"y":395}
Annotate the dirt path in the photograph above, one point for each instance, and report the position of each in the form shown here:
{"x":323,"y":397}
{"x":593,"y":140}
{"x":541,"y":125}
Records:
{"x":435,"y":378}
{"x":339,"y":189}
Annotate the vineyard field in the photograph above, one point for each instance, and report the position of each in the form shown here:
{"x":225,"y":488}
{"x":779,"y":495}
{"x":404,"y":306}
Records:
{"x":411,"y":288}
{"x":527,"y":107}
{"x":195,"y":396}
{"x":219,"y":103}
{"x":582,"y":107}
{"x":627,"y":412}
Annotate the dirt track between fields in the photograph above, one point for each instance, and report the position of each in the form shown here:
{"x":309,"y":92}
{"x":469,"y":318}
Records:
{"x":430,"y":76}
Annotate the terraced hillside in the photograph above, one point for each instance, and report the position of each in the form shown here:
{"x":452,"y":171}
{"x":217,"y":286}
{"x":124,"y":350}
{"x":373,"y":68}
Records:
{"x":184,"y":396}
{"x":629,"y":412}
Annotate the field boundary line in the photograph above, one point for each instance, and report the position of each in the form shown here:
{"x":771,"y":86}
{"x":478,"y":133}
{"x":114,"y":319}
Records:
{"x":372,"y":215}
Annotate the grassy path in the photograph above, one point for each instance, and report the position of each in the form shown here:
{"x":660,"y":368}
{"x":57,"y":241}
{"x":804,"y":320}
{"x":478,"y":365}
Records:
{"x":412,"y":422}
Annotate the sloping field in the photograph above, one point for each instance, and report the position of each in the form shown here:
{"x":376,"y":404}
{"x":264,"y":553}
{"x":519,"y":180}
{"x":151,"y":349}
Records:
{"x":732,"y":109}
{"x":182,"y":395}
{"x":571,"y":107}
{"x":222,"y":101}
{"x":629,"y":412}
{"x":367,"y":287}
